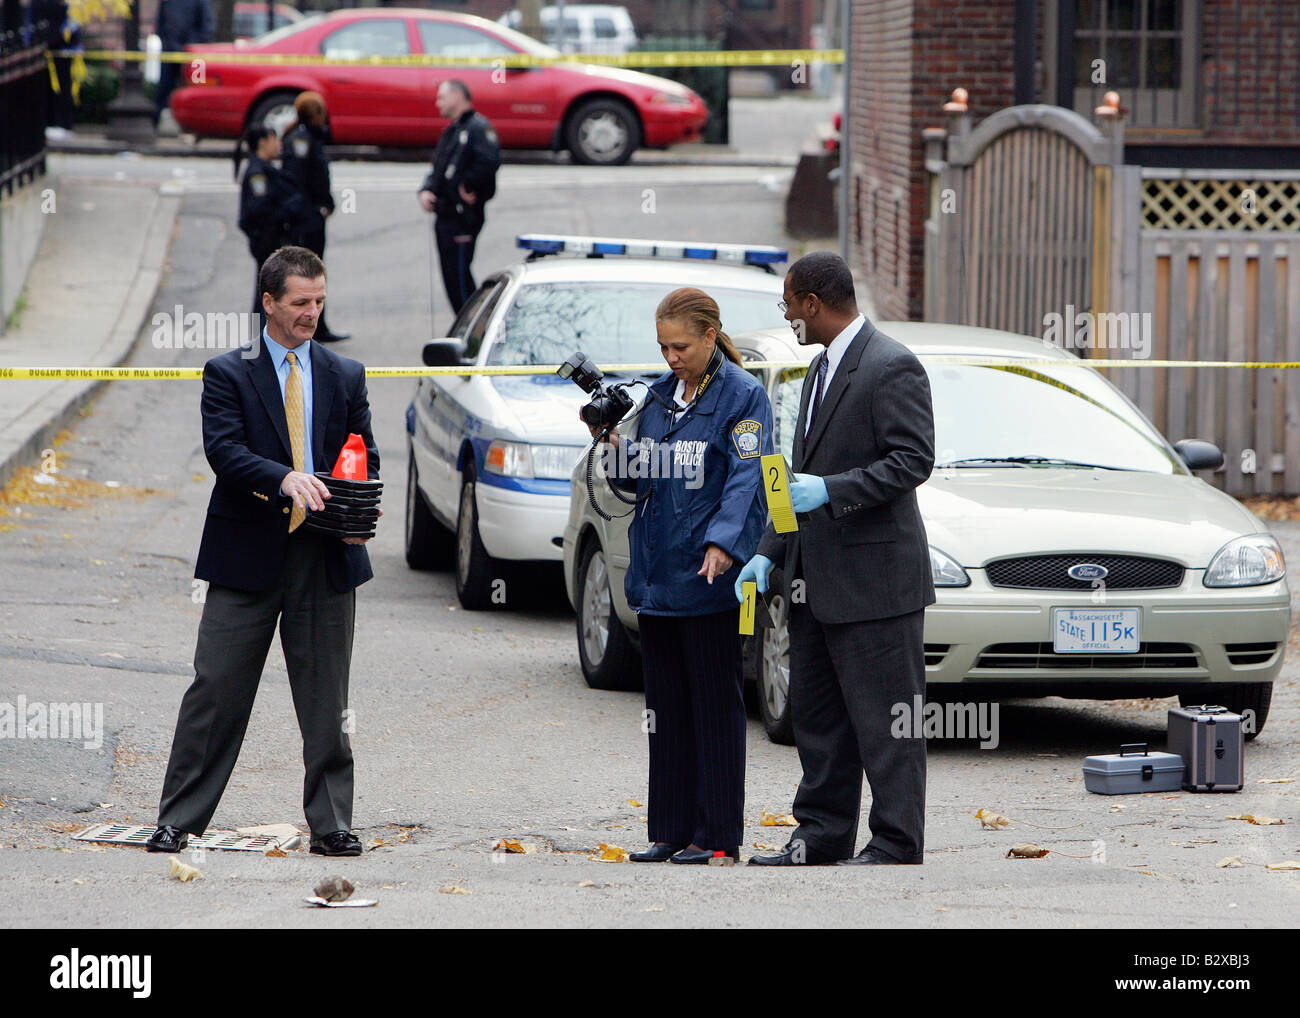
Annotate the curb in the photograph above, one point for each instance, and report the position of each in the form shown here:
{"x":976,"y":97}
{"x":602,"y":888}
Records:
{"x":93,"y":146}
{"x":59,"y":407}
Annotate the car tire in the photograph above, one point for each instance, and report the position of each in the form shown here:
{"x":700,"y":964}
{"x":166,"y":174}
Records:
{"x":1238,"y":697}
{"x":772,"y":665}
{"x":429,"y":545}
{"x":275,"y":109}
{"x":602,"y":132}
{"x":605,"y":650}
{"x":476,"y":570}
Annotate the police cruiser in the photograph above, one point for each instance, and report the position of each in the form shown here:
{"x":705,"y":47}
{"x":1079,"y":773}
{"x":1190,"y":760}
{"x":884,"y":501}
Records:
{"x":490,"y":456}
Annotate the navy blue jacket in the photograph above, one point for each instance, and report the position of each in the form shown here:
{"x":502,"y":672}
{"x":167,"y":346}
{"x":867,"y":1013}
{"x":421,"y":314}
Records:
{"x":246,"y":439}
{"x":306,"y":165}
{"x":272,"y":209}
{"x":722,"y":438}
{"x":181,"y":22}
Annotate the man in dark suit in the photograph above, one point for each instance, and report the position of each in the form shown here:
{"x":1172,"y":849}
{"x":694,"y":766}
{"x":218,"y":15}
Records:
{"x":857,"y":576}
{"x":269,"y":422}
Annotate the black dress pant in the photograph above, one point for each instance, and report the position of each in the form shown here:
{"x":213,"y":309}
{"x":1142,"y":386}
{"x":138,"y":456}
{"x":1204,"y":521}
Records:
{"x":455,"y":256}
{"x":313,"y":240}
{"x":696,"y":721}
{"x":235,"y":635}
{"x":844,"y":680}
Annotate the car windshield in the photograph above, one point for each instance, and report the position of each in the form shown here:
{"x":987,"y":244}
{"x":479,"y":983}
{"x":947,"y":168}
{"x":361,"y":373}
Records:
{"x":1027,"y":417}
{"x":612,"y":323}
{"x":525,"y":42}
{"x":287,"y":30}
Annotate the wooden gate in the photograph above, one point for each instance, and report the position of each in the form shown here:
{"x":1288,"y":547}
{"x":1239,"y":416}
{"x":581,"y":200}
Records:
{"x":1019,"y":223}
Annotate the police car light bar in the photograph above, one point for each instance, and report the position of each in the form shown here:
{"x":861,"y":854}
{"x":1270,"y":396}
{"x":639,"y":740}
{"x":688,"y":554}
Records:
{"x":538,"y":244}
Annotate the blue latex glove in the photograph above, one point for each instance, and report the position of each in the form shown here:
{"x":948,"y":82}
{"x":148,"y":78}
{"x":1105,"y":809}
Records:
{"x":807,"y":492}
{"x":756,"y":569}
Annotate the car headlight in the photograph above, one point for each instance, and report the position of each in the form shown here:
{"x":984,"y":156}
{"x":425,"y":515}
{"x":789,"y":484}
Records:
{"x":946,"y":571}
{"x":1246,"y":562}
{"x":671,"y":99}
{"x":519,"y":459}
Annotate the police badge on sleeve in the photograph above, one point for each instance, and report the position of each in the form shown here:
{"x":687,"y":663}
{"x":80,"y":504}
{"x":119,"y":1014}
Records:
{"x":748,"y":439}
{"x":301,"y":146}
{"x":258,"y":183}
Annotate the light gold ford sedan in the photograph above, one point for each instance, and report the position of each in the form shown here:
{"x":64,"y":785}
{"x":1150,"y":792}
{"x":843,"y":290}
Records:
{"x":1074,"y":550}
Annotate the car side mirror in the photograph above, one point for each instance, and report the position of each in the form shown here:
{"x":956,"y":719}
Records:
{"x":444,"y":353}
{"x":1199,"y":455}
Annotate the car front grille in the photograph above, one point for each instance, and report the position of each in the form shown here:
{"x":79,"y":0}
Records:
{"x":1250,"y":653}
{"x":1003,"y":656}
{"x":935,"y":653}
{"x":1048,"y":572}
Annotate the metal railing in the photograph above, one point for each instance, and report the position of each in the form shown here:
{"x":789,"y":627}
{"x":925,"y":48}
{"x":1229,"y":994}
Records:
{"x":24,"y":95}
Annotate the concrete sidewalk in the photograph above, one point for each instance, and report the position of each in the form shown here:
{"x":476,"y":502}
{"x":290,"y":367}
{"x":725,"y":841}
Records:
{"x":87,"y":295}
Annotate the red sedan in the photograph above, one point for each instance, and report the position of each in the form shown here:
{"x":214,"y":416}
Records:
{"x":600,"y":114}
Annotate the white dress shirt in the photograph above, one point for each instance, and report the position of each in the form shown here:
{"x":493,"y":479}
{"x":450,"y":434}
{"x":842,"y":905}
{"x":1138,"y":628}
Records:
{"x":834,"y":354}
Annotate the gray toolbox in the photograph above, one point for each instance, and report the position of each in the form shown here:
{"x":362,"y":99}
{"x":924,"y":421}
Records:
{"x":1212,"y":745}
{"x":1133,"y":769}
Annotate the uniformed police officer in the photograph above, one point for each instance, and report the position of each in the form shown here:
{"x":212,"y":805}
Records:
{"x":689,"y":537}
{"x":307,"y":165}
{"x":463,"y":178}
{"x":271,"y":206}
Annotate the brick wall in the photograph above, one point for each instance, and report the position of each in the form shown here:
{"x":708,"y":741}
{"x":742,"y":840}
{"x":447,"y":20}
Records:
{"x":1250,"y":71}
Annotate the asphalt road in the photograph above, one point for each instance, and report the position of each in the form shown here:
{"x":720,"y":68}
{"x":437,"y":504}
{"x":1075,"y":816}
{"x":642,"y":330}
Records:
{"x":473,"y":727}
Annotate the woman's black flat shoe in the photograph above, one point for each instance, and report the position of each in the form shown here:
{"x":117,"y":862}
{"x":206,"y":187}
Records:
{"x":701,"y":856}
{"x":655,"y":853}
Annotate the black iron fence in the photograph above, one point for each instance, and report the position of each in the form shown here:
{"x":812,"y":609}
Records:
{"x":24,"y":93}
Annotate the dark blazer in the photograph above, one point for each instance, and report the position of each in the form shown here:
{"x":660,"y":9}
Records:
{"x":246,"y":439}
{"x":863,"y":555}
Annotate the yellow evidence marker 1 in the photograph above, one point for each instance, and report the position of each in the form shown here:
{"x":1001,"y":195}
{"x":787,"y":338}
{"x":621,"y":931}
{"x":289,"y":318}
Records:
{"x":750,"y":589}
{"x":776,"y":486}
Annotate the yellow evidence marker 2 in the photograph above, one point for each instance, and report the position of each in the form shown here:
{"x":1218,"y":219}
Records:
{"x":776,"y":486}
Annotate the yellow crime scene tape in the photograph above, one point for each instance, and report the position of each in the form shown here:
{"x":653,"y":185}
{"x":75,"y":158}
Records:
{"x":669,"y":58}
{"x":196,"y":373}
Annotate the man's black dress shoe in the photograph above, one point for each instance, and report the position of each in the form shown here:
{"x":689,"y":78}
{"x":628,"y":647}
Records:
{"x":701,"y":856}
{"x":875,"y":857}
{"x":790,"y":857}
{"x":167,"y":839}
{"x":657,"y":852}
{"x":338,"y":843}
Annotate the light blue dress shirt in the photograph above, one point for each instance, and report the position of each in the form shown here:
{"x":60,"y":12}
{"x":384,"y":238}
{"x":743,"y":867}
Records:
{"x":279,"y":356}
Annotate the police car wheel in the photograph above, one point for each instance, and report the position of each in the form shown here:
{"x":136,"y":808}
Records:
{"x":275,"y":110}
{"x":428,"y":543}
{"x":602,"y":132}
{"x":475,"y":568}
{"x":1238,"y":697}
{"x":772,"y":667}
{"x":608,"y":658}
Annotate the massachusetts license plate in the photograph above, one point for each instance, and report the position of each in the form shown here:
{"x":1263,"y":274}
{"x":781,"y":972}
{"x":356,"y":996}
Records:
{"x":1095,"y":630}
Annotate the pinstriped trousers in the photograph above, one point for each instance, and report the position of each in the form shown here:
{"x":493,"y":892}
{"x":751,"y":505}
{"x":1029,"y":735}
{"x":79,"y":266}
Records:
{"x":693,"y":687}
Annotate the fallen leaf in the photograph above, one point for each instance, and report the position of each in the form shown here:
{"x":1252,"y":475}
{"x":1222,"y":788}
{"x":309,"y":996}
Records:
{"x":766,"y":848}
{"x":1261,"y":820}
{"x":378,"y":843}
{"x":1274,"y":781}
{"x":78,"y":883}
{"x":183,"y":871}
{"x":586,"y":883}
{"x":777,"y":819}
{"x":91,"y":848}
{"x":1290,"y":864}
{"x":634,"y":804}
{"x":274,"y":852}
{"x":991,"y":821}
{"x":941,"y":909}
{"x":609,"y":853}
{"x":1026,"y":850}
{"x":507,"y":845}
{"x":453,"y":889}
{"x":1118,"y":808}
{"x":1230,"y":862}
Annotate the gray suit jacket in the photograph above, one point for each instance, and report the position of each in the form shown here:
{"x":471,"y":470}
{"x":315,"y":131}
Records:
{"x":863,"y":555}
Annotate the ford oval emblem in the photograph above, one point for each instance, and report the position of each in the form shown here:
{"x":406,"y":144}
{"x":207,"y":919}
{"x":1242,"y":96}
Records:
{"x":1087,"y":571}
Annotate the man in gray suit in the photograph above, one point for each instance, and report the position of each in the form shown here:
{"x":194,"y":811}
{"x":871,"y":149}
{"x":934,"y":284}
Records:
{"x":857,"y":576}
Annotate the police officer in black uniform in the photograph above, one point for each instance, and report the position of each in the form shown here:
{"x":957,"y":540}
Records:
{"x":463,"y":178}
{"x":272,"y":208}
{"x":306,"y":164}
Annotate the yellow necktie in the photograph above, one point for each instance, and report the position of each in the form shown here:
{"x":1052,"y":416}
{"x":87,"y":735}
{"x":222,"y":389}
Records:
{"x":293,"y":410}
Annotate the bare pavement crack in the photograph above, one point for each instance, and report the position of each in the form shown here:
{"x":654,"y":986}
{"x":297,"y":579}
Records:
{"x":122,"y":664}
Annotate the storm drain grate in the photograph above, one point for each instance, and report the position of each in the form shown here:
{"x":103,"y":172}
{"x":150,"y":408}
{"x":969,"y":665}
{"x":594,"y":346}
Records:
{"x":230,"y":841}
